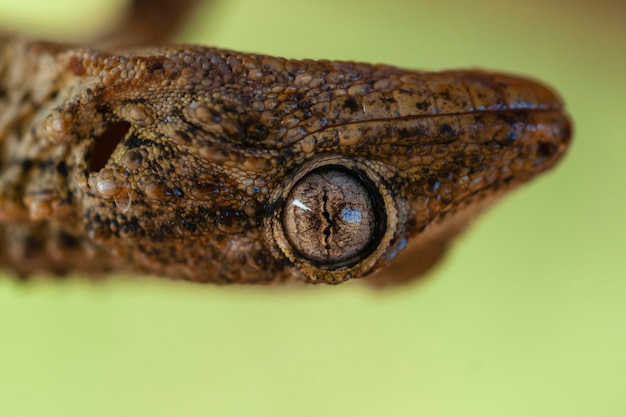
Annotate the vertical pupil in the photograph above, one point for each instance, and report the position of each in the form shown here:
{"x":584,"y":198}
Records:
{"x":330,"y":218}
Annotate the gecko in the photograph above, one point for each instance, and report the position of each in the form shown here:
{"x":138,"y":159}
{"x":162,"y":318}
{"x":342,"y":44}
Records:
{"x":131,"y":155}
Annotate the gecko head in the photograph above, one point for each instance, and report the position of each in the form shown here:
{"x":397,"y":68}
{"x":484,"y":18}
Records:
{"x":216,"y":166}
{"x":426,"y":152}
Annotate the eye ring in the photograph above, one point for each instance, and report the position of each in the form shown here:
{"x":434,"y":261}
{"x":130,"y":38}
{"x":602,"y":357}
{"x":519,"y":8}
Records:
{"x":333,"y":217}
{"x":361,"y":258}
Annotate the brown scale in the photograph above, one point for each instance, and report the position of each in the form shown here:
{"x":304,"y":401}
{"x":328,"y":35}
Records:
{"x":211,"y":165}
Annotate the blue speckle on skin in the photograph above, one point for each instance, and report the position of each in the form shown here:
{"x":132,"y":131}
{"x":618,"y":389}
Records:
{"x":436,"y":185}
{"x":521,"y":104}
{"x":392,"y":255}
{"x":401,"y":244}
{"x":352,"y":215}
{"x":256,"y":190}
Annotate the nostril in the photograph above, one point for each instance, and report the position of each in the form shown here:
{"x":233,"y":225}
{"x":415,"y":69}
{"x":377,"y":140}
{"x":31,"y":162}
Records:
{"x":544,"y":152}
{"x":105,"y":144}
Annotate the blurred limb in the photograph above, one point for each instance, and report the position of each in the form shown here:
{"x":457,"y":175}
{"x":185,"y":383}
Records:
{"x":150,"y":22}
{"x":415,"y":261}
{"x":410,"y":267}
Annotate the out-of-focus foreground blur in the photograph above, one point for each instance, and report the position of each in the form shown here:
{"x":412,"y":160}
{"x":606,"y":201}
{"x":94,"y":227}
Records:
{"x":526,"y":317}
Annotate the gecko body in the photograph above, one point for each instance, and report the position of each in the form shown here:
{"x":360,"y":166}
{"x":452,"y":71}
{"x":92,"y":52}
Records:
{"x":211,"y":165}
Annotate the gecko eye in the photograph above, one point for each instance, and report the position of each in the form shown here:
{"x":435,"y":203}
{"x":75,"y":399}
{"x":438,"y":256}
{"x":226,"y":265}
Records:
{"x":333,"y":217}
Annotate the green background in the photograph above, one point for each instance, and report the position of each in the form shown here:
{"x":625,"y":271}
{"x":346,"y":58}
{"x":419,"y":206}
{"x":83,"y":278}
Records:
{"x":526,"y":317}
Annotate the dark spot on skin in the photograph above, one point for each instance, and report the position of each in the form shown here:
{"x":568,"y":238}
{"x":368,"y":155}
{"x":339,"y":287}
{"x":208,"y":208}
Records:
{"x":259,"y":259}
{"x":227,"y":107}
{"x":474,"y":162}
{"x":103,"y":109}
{"x":257,"y":132}
{"x":354,"y":76}
{"x":68,"y":241}
{"x":26,"y":98}
{"x":113,"y":224}
{"x":305,"y":104}
{"x":492,"y":148}
{"x":69,"y":198}
{"x":447,"y":130}
{"x":96,"y":227}
{"x":190,"y":227}
{"x":155,"y":66}
{"x":131,"y":227}
{"x":411,"y":133}
{"x":351,"y":105}
{"x":183,"y":137}
{"x":47,"y":164}
{"x":162,"y":234}
{"x":135,"y":142}
{"x":203,"y":212}
{"x":27,"y":164}
{"x":323,"y":109}
{"x":289,"y":107}
{"x":62,"y":169}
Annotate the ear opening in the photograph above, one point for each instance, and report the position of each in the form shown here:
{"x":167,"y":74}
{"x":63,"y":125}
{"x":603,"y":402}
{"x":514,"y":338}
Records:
{"x":106,"y":143}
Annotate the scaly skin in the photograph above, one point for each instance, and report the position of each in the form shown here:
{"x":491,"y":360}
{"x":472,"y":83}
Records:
{"x":212,"y":141}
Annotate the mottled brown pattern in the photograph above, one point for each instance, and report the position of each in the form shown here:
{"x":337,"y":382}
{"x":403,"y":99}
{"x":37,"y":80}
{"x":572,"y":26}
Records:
{"x":211,"y":142}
